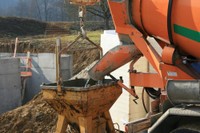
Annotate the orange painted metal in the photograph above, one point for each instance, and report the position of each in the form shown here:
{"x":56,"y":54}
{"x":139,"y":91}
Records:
{"x":148,"y":51}
{"x":113,"y":59}
{"x":130,"y":91}
{"x":147,"y":23}
{"x":122,"y":27}
{"x":161,"y":43}
{"x":186,"y":14}
{"x":146,"y":80}
{"x":119,"y":15}
{"x":151,"y":17}
{"x":173,"y":72}
{"x":26,"y":69}
{"x":26,"y":74}
{"x":167,"y":55}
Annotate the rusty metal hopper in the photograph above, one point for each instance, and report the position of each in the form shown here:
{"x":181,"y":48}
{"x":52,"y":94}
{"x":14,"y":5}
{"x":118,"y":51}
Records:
{"x":83,"y":105}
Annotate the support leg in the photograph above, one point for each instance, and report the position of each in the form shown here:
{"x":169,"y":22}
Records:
{"x":85,"y":124}
{"x":109,"y":122}
{"x":61,"y":124}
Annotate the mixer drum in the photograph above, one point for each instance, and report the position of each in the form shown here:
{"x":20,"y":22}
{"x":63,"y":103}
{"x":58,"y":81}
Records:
{"x":176,"y":22}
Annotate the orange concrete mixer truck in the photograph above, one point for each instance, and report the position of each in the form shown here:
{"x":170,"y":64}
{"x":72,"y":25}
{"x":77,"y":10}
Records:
{"x":175,"y":84}
{"x":175,"y":25}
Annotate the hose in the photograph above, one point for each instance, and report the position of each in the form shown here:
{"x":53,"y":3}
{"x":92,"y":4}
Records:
{"x":143,"y":103}
{"x":118,"y":127}
{"x":154,"y":94}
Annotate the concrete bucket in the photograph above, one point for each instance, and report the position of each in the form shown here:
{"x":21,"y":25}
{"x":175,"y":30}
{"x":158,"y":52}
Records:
{"x":86,"y":107}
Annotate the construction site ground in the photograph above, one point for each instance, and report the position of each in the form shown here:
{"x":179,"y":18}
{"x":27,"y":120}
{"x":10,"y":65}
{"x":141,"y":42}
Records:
{"x":37,"y":116}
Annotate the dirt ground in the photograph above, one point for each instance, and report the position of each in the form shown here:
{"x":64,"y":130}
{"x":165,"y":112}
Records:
{"x":34,"y":117}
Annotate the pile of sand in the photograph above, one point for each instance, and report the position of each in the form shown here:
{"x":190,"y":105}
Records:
{"x":34,"y":117}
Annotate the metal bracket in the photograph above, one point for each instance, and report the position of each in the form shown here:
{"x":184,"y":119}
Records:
{"x":120,"y":83}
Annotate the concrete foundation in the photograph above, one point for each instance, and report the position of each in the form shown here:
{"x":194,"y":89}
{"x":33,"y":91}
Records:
{"x":10,"y":84}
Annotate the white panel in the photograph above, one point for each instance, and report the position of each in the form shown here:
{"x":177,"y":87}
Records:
{"x":120,"y":110}
{"x":124,"y":110}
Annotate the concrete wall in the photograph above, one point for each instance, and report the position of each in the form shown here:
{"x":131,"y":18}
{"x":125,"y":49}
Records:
{"x":10,"y":84}
{"x":43,"y":71}
{"x":124,"y":110}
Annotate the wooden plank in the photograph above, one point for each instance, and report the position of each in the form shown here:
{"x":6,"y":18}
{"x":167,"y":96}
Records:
{"x":85,"y":124}
{"x":62,"y":124}
{"x":109,"y":122}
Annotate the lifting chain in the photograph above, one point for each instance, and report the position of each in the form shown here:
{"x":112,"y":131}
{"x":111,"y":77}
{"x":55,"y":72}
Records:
{"x":82,"y":13}
{"x":83,"y":36}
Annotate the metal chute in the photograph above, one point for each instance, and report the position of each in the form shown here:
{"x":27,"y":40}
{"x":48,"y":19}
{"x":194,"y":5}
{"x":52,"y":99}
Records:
{"x":113,"y":59}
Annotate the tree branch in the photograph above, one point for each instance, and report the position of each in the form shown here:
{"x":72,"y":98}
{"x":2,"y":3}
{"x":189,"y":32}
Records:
{"x":94,"y":10}
{"x":94,"y":13}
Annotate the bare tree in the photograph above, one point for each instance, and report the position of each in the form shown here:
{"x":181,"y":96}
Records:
{"x":63,"y":10}
{"x":22,"y":8}
{"x":60,"y":4}
{"x":47,"y":10}
{"x":71,"y":11}
{"x":35,"y":11}
{"x":46,"y":3}
{"x":102,"y":11}
{"x":38,"y":10}
{"x":43,"y":8}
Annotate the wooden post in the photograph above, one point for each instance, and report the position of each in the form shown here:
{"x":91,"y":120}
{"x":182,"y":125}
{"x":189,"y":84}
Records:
{"x":28,"y":61}
{"x":62,"y":124}
{"x":58,"y":67}
{"x":15,"y":50}
{"x":85,"y":124}
{"x":109,"y":122}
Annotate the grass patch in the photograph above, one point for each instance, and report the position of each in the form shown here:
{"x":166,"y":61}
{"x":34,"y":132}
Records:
{"x":66,"y":39}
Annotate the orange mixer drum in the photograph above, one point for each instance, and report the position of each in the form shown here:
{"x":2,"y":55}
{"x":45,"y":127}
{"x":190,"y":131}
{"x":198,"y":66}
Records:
{"x":174,"y":21}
